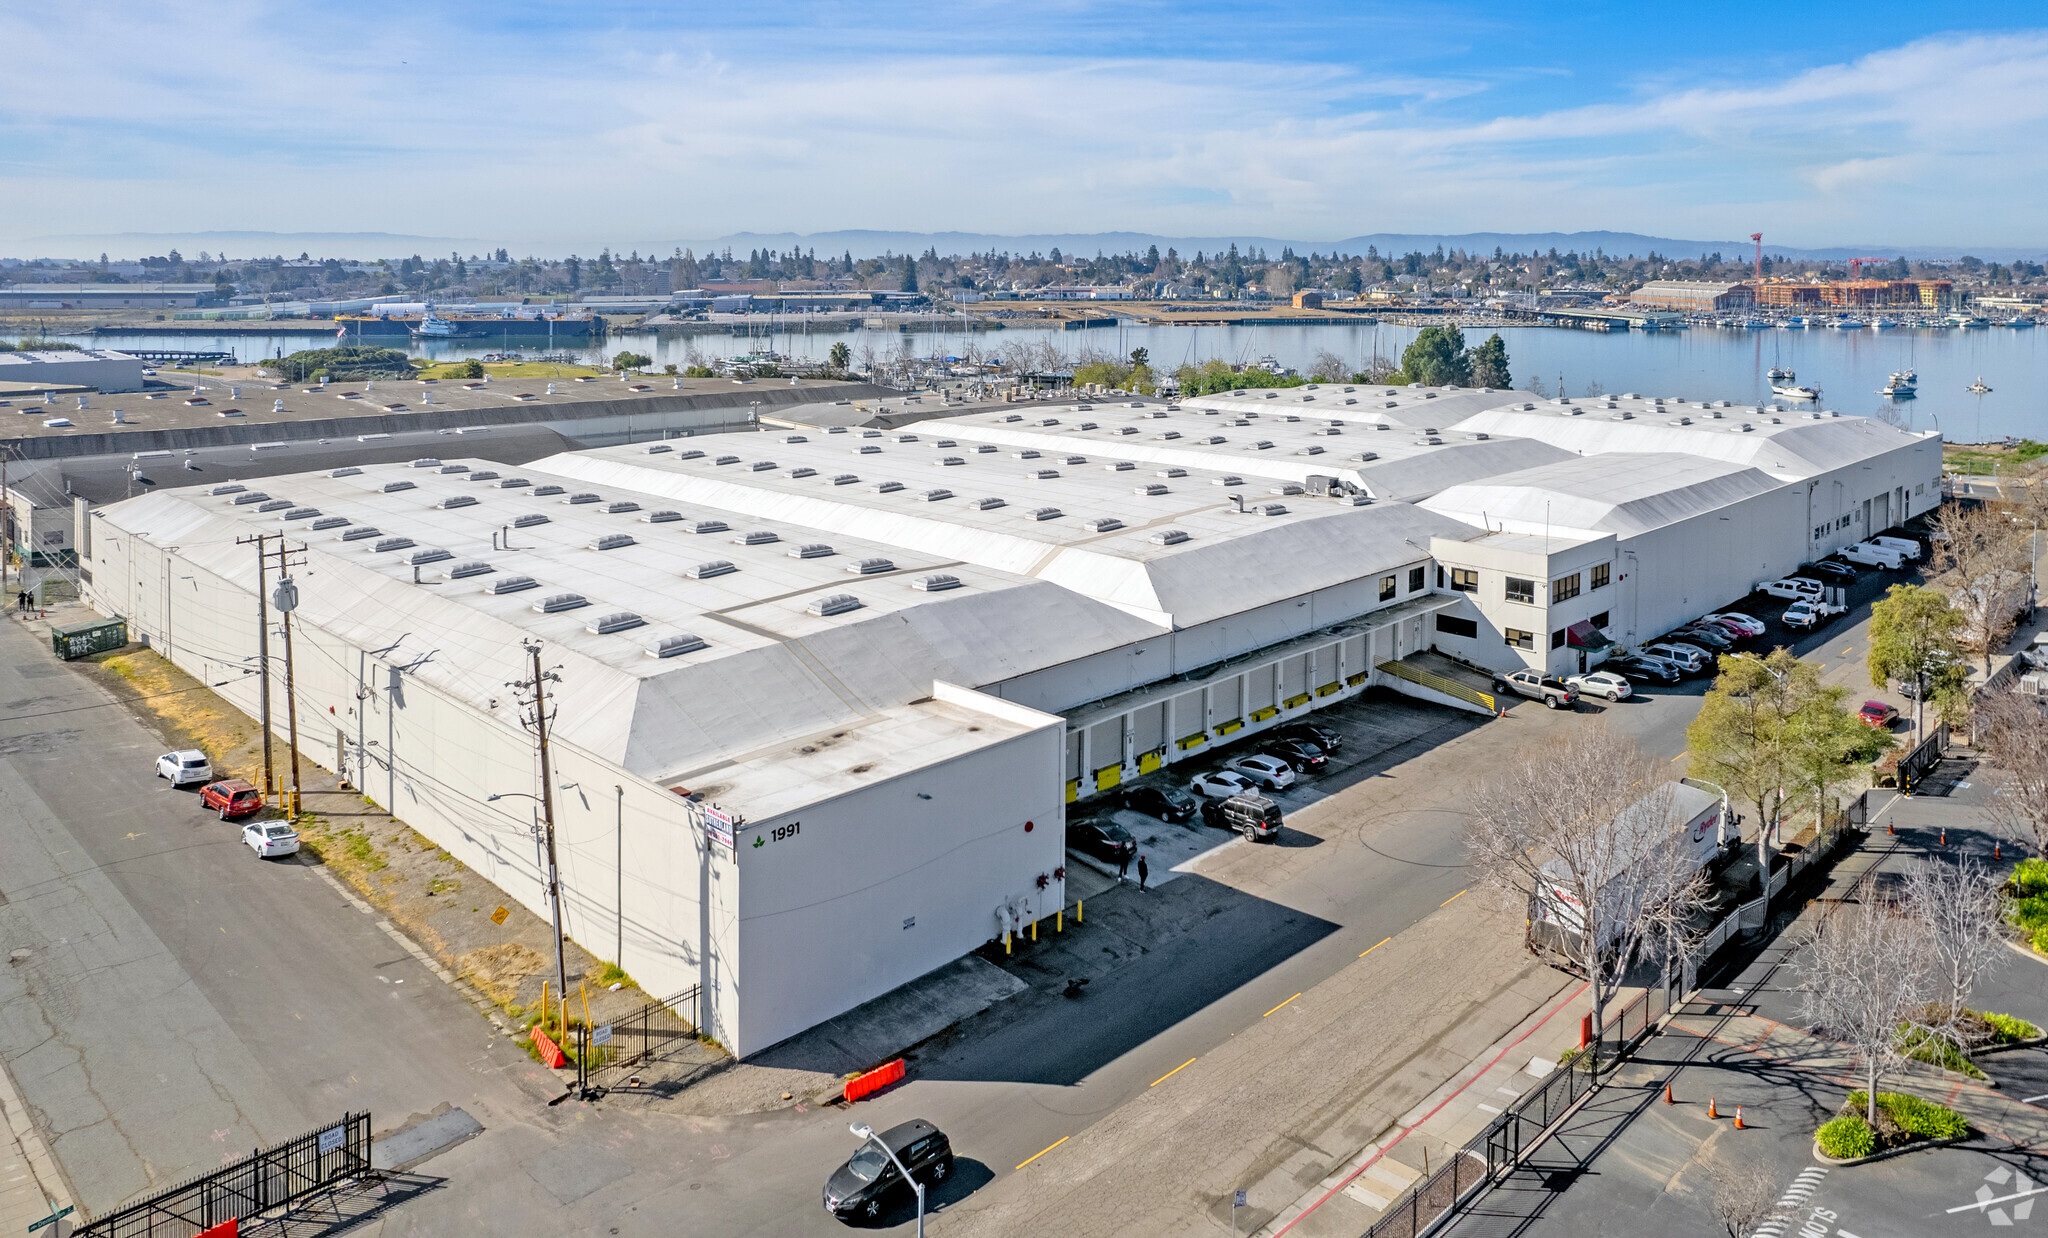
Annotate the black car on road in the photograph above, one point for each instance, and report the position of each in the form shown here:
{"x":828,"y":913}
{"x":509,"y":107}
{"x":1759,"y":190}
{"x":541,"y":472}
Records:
{"x":1643,"y":669}
{"x":1305,"y":757}
{"x":1829,"y":571}
{"x":1710,"y":635}
{"x":1105,"y":840}
{"x":1321,"y":736}
{"x":1165,"y":803}
{"x":868,"y":1184}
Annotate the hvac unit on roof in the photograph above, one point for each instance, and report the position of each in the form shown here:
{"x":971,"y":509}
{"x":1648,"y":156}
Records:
{"x":810,"y":550}
{"x":554,"y":603}
{"x":617,"y":621}
{"x":621,"y":507}
{"x":468,"y":567}
{"x":755,"y":537}
{"x":670,"y":646}
{"x":426,"y":462}
{"x":661,"y":517}
{"x":868,"y":567}
{"x":511,"y":584}
{"x":544,"y":491}
{"x":357,"y":534}
{"x":483,"y":475}
{"x":457,"y":500}
{"x":529,"y":520}
{"x":513,"y":483}
{"x":833,"y":604}
{"x":612,"y":541}
{"x":385,"y":545}
{"x":709,"y":526}
{"x":253,"y":496}
{"x":420,"y":558}
{"x":392,"y":487}
{"x":935,"y":583}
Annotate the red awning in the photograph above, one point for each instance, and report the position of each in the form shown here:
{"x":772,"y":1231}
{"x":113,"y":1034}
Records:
{"x":1583,"y":635}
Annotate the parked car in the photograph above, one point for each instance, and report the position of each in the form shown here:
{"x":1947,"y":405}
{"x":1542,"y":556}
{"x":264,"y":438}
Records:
{"x":1605,"y":684}
{"x":1321,"y":736}
{"x":187,"y":765}
{"x":270,"y":838}
{"x":1831,"y":571}
{"x":1707,"y":636}
{"x":1689,"y":659}
{"x":1299,"y":753}
{"x":1877,"y":714}
{"x":1220,"y":784}
{"x":1555,"y":693}
{"x":1253,"y":816}
{"x":1105,"y":840}
{"x":1912,"y":551}
{"x":1269,"y":772}
{"x":1872,"y":555}
{"x":1792,"y":588}
{"x":1165,"y":803}
{"x":1742,"y":625}
{"x":869,"y":1183}
{"x":232,"y":798}
{"x":1808,"y":615}
{"x":1642,"y":666}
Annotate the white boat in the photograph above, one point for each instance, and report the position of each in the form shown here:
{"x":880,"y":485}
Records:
{"x":1790,"y":392}
{"x":1896,"y":390}
{"x":434,"y":327}
{"x":1882,"y":324}
{"x":1779,"y":374}
{"x":1905,"y":378}
{"x":2020,"y":323}
{"x":1978,"y":387}
{"x":1967,"y":320}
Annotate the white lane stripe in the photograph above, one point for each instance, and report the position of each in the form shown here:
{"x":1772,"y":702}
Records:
{"x":2028,"y":1100}
{"x":1986,"y":1203}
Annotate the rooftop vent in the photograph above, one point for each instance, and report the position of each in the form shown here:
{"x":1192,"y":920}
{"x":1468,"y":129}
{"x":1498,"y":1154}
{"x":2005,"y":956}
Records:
{"x":727,"y":460}
{"x":933,"y":496}
{"x":1228,"y":479}
{"x":1270,"y":509}
{"x":555,"y":603}
{"x":869,"y":449}
{"x":1263,"y":445}
{"x":871,"y":434}
{"x":1481,"y":437}
{"x":868,"y":567}
{"x":612,"y":541}
{"x":385,"y":545}
{"x":1026,"y":454}
{"x":989,"y":504}
{"x":906,"y":438}
{"x":330,"y":522}
{"x":801,"y":471}
{"x":755,"y":537}
{"x":583,"y":497}
{"x":420,"y":558}
{"x":1168,"y":537}
{"x":1744,"y":428}
{"x":237,"y":488}
{"x":1049,"y":421}
{"x":943,"y":461}
{"x":1213,"y":439}
{"x":984,"y":448}
{"x":708,"y":526}
{"x":349,"y":471}
{"x":513,"y":483}
{"x":1042,"y":474}
{"x":1431,"y":441}
{"x":1077,"y":459}
{"x":426,"y":462}
{"x":1171,"y":472}
{"x":1102,"y":524}
{"x":275,"y":505}
{"x":661,"y":517}
{"x":888,"y":487}
{"x":761,"y":466}
{"x":1171,"y":434}
{"x":1127,"y":429}
{"x":670,"y":646}
{"x":301,"y":513}
{"x":834,"y":604}
{"x":358,"y":533}
{"x":510,"y":584}
{"x":1044,"y":513}
{"x":1086,"y":425}
{"x":468,"y":567}
{"x":795,"y":438}
{"x":944,"y":442}
{"x":454,"y":468}
{"x":1288,"y":488}
{"x":1120,"y":466}
{"x":1152,"y":488}
{"x":1010,"y":417}
{"x":253,"y":496}
{"x":484,"y":475}
{"x":716,"y":567}
{"x":529,"y":520}
{"x":659,"y":448}
{"x":393,"y":487}
{"x":621,"y":507}
{"x":810,"y":550}
{"x":935,"y":583}
{"x":1312,"y":450}
{"x":457,"y":500}
{"x":690,"y":453}
{"x":1382,"y":425}
{"x":844,"y":479}
{"x":1364,"y":457}
{"x":544,"y":491}
{"x":835,"y":429}
{"x":1242,"y":421}
{"x":617,"y":621}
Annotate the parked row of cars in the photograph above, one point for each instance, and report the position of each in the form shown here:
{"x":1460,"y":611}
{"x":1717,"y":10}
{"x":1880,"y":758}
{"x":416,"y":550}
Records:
{"x":229,"y":798}
{"x":1230,"y":797}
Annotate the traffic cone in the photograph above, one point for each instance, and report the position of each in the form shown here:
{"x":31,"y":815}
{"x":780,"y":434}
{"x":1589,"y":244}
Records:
{"x":1891,"y":827}
{"x":1997,"y":850}
{"x":1738,"y":1117}
{"x":1667,"y":1095}
{"x":1711,"y":1111}
{"x":1944,"y":836}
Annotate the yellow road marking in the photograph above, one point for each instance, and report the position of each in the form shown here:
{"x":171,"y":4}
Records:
{"x":1062,"y":1139}
{"x":1374,"y":946}
{"x":1278,"y":1007}
{"x":1680,"y":757}
{"x":1452,"y":899}
{"x":1171,"y":1073}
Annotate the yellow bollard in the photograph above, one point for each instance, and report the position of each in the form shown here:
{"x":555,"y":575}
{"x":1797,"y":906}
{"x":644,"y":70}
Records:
{"x":1006,"y":941}
{"x":1059,"y":923}
{"x":1077,"y":911}
{"x":1034,"y":930}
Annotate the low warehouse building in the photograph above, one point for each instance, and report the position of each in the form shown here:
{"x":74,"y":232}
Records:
{"x":68,"y":370}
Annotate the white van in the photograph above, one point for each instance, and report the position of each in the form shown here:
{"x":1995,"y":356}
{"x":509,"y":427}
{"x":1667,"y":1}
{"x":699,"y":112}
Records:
{"x":1911,"y":550}
{"x":1871,"y":555}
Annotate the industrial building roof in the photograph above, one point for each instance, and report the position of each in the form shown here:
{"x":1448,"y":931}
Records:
{"x":1624,"y":493}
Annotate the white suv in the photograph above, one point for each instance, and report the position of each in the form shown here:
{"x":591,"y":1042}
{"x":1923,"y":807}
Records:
{"x":189,"y":765}
{"x":1271,"y":773}
{"x":1688,"y":659}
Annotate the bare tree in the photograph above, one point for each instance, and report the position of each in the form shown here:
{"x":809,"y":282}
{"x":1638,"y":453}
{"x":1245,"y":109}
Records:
{"x":1584,"y":831}
{"x":1981,"y":556}
{"x":1744,"y":1196}
{"x":2013,"y":730}
{"x":1960,"y":910}
{"x":1864,"y":978}
{"x":1328,"y":367}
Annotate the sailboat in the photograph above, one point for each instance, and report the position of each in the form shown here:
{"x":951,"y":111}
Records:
{"x":1779,"y":374}
{"x":1978,"y":387}
{"x":1790,"y":392}
{"x":1895,"y":389}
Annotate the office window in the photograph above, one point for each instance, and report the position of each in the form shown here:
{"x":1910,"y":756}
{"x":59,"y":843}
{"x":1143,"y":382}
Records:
{"x":1415,"y":579}
{"x":1520,"y":639}
{"x":1600,"y":575}
{"x":1921,"y":488}
{"x":1557,"y":639}
{"x":1387,"y":588}
{"x":1464,"y":580}
{"x":1520,"y":590}
{"x":1600,"y":620}
{"x":1439,"y":575}
{"x":1564,"y":587}
{"x":1451,"y":625}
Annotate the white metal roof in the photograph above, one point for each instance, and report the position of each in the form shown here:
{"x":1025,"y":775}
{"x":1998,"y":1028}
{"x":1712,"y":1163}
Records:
{"x":1620,"y":493}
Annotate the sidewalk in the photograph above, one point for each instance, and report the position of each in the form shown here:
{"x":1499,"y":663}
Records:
{"x":31,"y":1188}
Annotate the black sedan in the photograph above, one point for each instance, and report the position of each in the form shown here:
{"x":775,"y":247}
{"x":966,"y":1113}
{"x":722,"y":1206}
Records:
{"x":869,"y":1183}
{"x":1643,"y":669}
{"x":1321,"y":736}
{"x":1711,"y":635}
{"x":1165,"y":803}
{"x":1830,"y":571}
{"x":1105,"y":840}
{"x":1305,"y":757}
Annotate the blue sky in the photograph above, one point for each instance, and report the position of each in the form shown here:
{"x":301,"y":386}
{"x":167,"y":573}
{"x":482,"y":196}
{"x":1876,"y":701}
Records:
{"x":553,"y":126}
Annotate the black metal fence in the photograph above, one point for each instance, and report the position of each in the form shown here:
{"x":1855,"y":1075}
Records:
{"x":650,"y":1033}
{"x":266,"y":1178}
{"x":1920,"y":762}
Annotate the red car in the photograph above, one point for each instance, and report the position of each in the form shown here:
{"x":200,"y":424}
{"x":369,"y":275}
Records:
{"x":233,"y":798}
{"x":1877,"y":714}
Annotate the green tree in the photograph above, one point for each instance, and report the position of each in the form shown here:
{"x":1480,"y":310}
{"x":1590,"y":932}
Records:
{"x":1490,"y":364}
{"x":471,"y":368}
{"x":1914,"y":635}
{"x":1438,"y":358}
{"x":631,"y":361}
{"x":909,"y":274}
{"x":1140,"y":356}
{"x":840,"y":358}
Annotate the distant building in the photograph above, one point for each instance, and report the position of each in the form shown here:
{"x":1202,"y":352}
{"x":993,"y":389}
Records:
{"x":103,"y":296}
{"x":69,"y":370}
{"x":1308,"y":299}
{"x":1693,"y":296}
{"x":1933,"y":294}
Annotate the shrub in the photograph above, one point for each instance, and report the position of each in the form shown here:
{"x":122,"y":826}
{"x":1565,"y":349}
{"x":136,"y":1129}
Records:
{"x":1937,"y":1051}
{"x":2030,"y":878}
{"x":699,"y":371}
{"x":2006,"y":1029}
{"x":1846,"y":1138}
{"x":1915,"y":1116}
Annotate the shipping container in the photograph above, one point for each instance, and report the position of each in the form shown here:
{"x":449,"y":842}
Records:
{"x":82,"y":640}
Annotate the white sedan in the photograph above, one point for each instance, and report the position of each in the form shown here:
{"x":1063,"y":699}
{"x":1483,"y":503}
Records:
{"x":270,"y":838}
{"x":1748,"y":625}
{"x":1271,"y":773}
{"x":1221,"y":784}
{"x":1604,"y":684}
{"x":189,"y":765}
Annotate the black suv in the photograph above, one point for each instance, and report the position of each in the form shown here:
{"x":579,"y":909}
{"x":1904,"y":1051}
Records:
{"x":1105,"y":840}
{"x":1253,"y":816}
{"x":1321,"y":736}
{"x":1305,"y":757}
{"x":1165,"y":803}
{"x":864,"y":1185}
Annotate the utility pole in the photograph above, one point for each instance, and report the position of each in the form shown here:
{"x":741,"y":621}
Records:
{"x":263,"y":646}
{"x":538,"y":722}
{"x":287,"y":602}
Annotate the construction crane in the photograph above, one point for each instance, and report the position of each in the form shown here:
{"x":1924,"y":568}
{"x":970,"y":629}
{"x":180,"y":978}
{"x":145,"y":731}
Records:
{"x":1856,"y":265}
{"x":1758,"y":237}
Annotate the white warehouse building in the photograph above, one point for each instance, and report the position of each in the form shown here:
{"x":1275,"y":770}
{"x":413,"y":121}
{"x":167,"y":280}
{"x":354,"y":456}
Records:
{"x":889,"y":660}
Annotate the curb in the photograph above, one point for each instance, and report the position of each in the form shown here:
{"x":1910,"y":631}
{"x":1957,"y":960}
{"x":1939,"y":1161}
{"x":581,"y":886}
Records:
{"x":1914,"y":1145}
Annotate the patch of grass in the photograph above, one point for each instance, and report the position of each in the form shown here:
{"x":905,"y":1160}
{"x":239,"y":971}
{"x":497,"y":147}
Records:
{"x":1917,"y":1117}
{"x":614,"y":974}
{"x":1938,"y":1052}
{"x":1846,"y":1138}
{"x":2007,"y":1029}
{"x":357,"y":846}
{"x":442,"y":885}
{"x":2029,"y":878}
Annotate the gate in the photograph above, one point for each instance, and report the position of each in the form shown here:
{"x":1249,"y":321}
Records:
{"x":264,"y":1179}
{"x":1920,"y":762}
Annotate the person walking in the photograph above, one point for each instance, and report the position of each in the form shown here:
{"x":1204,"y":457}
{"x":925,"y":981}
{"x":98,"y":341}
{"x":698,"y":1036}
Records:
{"x":1123,"y":867}
{"x":1144,"y":871}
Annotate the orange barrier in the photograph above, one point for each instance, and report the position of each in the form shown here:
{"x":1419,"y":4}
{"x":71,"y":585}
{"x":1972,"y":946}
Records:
{"x":875,"y":1080}
{"x":226,"y":1229}
{"x":551,"y":1055}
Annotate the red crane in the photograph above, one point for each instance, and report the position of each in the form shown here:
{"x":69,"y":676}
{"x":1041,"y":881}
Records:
{"x":1758,"y":237}
{"x":1856,"y":265}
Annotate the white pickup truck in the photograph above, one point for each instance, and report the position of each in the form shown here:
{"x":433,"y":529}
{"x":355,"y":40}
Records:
{"x":1809,"y":613}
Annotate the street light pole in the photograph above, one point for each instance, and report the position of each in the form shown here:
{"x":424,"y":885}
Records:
{"x":867,"y":1133}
